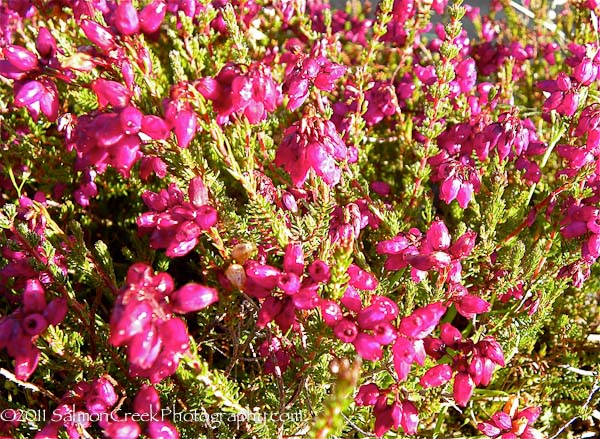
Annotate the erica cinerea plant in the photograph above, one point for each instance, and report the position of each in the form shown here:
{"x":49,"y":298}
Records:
{"x":272,"y":219}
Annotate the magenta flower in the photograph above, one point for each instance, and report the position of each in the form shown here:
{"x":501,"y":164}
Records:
{"x":314,"y":144}
{"x":253,"y":93}
{"x":399,"y":413}
{"x":314,"y":70}
{"x":284,"y":292}
{"x":152,"y":15}
{"x":429,"y":252}
{"x":175,"y":224}
{"x":20,"y":329}
{"x":126,"y":18}
{"x":512,"y":423}
{"x":143,"y":320}
{"x":85,"y":402}
{"x":276,"y":353}
{"x":472,"y":363}
{"x":111,"y":92}
{"x":409,"y":347}
{"x":98,"y":34}
{"x":563,"y":98}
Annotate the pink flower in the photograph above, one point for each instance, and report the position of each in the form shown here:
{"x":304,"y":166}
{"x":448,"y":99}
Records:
{"x":253,"y":94}
{"x":513,"y":423}
{"x":39,"y":96}
{"x":143,"y":320}
{"x":175,"y":224}
{"x":314,"y":70}
{"x":314,"y":144}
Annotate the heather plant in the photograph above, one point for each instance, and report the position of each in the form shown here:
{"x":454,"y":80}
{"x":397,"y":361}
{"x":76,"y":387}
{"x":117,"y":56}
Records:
{"x":279,"y":219}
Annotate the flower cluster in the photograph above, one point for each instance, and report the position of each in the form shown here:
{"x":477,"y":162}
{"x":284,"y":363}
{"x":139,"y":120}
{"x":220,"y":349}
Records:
{"x":367,"y":328}
{"x":314,"y":70}
{"x":511,"y":423}
{"x":34,"y":89}
{"x":312,"y":143}
{"x":432,"y":251}
{"x":143,"y":320}
{"x":79,"y":406}
{"x":20,"y":329}
{"x":113,"y":138}
{"x":176,"y":224}
{"x":399,"y":413}
{"x":252,"y":93}
{"x":472,"y":363}
{"x":285,"y":291}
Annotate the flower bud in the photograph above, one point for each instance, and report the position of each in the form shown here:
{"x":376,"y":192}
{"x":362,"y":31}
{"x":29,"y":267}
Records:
{"x":126,"y":18}
{"x":131,"y":320}
{"x":450,"y":335}
{"x":436,"y":376}
{"x":144,"y":348}
{"x":306,"y":298}
{"x":21,"y":58}
{"x":387,"y":306}
{"x":351,"y":299}
{"x":438,"y":236}
{"x":45,"y":43}
{"x":488,"y":429}
{"x":264,"y":275}
{"x":422,"y":321}
{"x":361,"y":279}
{"x":193,"y":297}
{"x":370,"y":316}
{"x":367,"y":347}
{"x":585,"y":72}
{"x":384,"y":333}
{"x":463,"y":388}
{"x":152,"y":15}
{"x":110,"y":92}
{"x":319,"y":271}
{"x":492,"y":350}
{"x":155,"y":128}
{"x":393,"y":246}
{"x":197,"y":193}
{"x":530,"y":413}
{"x":470,"y":305}
{"x":385,"y":417}
{"x":34,"y":298}
{"x":185,"y":126}
{"x":131,"y":120}
{"x":174,"y":335}
{"x":331,"y":312}
{"x":410,"y":417}
{"x":463,"y":245}
{"x":29,"y":93}
{"x":98,"y":34}
{"x":26,"y":361}
{"x":11,"y":72}
{"x":367,"y":395}
{"x":207,"y":217}
{"x":293,"y":260}
{"x":147,"y":400}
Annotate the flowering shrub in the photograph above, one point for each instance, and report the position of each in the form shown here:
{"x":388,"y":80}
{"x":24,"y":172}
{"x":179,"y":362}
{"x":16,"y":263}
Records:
{"x":272,"y":219}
